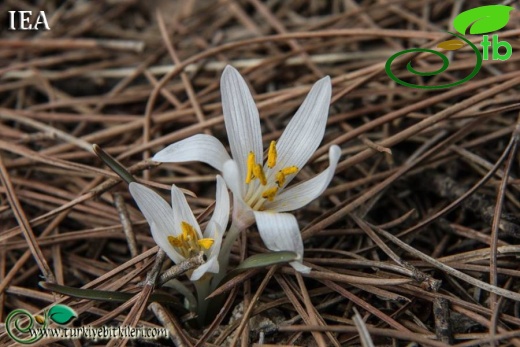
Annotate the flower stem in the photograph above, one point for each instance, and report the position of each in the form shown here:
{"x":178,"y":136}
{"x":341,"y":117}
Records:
{"x":185,"y":291}
{"x":203,"y":290}
{"x":225,"y":251}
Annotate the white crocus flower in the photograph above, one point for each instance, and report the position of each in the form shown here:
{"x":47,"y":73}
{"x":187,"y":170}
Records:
{"x":175,"y":229}
{"x":260,"y":189}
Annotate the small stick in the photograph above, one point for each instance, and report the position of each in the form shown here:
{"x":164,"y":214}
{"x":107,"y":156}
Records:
{"x":126,"y":223}
{"x":418,"y":275}
{"x":366,"y":141}
{"x":441,"y":311}
{"x":443,"y":267}
{"x":69,"y":44}
{"x":364,"y":335}
{"x":168,"y":322}
{"x":181,"y":268}
{"x":24,"y":224}
{"x":249,"y":310}
{"x":139,"y":301}
{"x":494,"y":229}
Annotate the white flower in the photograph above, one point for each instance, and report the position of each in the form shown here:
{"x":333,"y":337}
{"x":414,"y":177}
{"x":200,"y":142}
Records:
{"x":259,"y":189}
{"x":175,"y":229}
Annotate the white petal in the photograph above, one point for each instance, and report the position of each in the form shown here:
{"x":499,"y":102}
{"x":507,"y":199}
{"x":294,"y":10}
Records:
{"x":241,"y":119}
{"x":242,"y":213}
{"x":301,"y":194}
{"x":300,"y":267}
{"x":215,"y":230}
{"x":161,"y":239}
{"x":183,"y":211}
{"x":243,"y":216}
{"x":159,"y":216}
{"x":218,"y":222}
{"x":211,"y":265}
{"x":280,"y":232}
{"x":232,"y":177}
{"x":304,"y":132}
{"x":217,"y":233}
{"x":221,"y":212}
{"x":204,"y":148}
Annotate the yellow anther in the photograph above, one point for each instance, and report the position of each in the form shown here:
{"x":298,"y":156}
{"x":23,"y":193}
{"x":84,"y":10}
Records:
{"x":258,"y":171}
{"x":205,"y":243}
{"x":250,"y":167}
{"x":270,"y":193}
{"x":175,"y":241}
{"x":188,"y":242}
{"x":280,"y":178}
{"x":289,"y":170}
{"x":272,"y":155}
{"x":188,"y":232}
{"x":282,"y":174}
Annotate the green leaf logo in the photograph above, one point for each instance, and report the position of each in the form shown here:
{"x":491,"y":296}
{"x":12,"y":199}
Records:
{"x":40,"y":319}
{"x":61,"y":314}
{"x":451,"y":45}
{"x":483,"y":19}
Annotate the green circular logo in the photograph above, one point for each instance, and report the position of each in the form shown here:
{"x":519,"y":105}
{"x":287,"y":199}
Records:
{"x":445,"y":64}
{"x":19,"y":323}
{"x":15,"y":326}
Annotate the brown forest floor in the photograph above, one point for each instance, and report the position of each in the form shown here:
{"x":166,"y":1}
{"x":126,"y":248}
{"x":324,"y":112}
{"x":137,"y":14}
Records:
{"x":427,"y":166}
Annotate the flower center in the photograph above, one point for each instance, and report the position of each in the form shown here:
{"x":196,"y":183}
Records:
{"x":188,"y":243}
{"x":266,"y":190}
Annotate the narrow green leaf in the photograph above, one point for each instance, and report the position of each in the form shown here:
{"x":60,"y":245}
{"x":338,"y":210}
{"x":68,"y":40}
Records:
{"x":266,"y":259}
{"x":105,"y":295}
{"x":113,"y":164}
{"x":61,"y":314}
{"x":483,"y":19}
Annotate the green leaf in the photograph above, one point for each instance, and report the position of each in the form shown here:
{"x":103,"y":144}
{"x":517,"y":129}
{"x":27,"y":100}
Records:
{"x":109,"y":296}
{"x":483,"y":19}
{"x":61,"y":314}
{"x":112,"y":163}
{"x":267,"y":259}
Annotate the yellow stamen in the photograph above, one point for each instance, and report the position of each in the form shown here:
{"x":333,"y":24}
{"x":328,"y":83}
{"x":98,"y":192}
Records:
{"x":188,"y":242}
{"x":281,"y":175}
{"x":258,"y":171}
{"x":250,"y":167}
{"x":175,"y":241}
{"x":272,"y":155}
{"x":289,"y":170}
{"x":270,"y":193}
{"x":280,"y":178}
{"x":205,"y":243}
{"x":188,"y":232}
